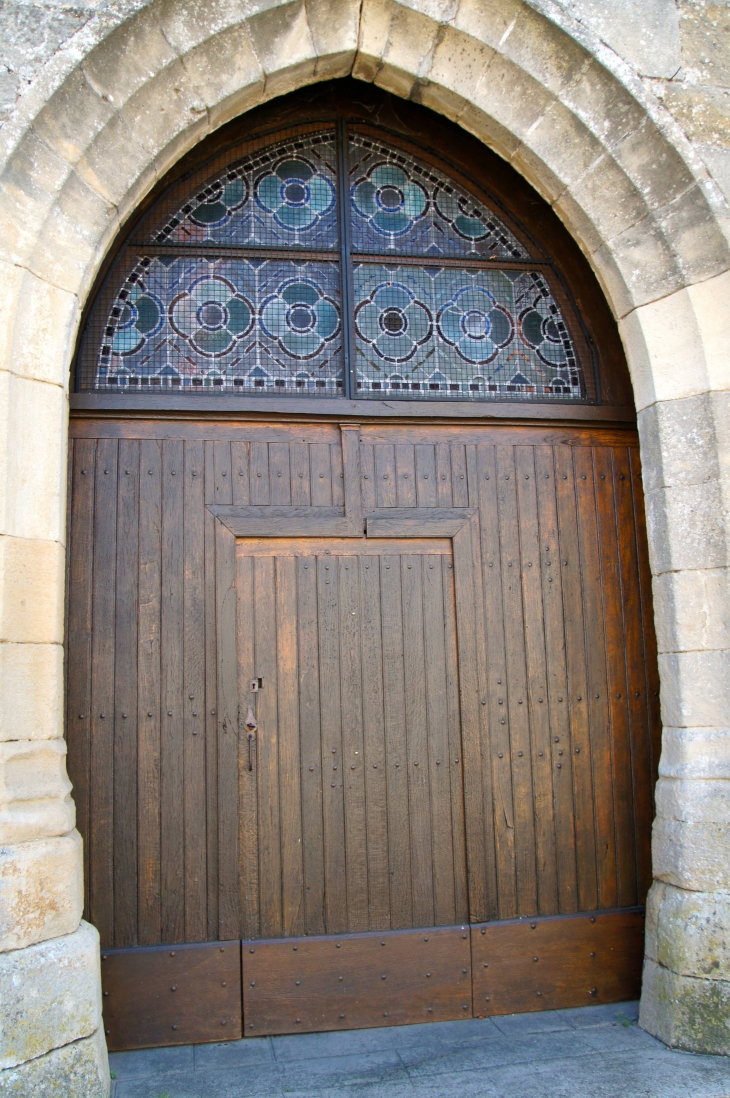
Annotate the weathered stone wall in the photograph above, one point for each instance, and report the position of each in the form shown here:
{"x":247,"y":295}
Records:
{"x":616,"y":111}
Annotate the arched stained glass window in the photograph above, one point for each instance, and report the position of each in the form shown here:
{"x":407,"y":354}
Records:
{"x":334,"y":262}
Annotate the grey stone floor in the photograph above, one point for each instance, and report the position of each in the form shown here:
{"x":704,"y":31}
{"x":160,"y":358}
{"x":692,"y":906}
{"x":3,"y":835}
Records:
{"x":591,"y":1052}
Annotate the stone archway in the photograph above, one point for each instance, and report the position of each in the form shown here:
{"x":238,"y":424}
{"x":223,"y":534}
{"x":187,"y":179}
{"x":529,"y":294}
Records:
{"x":111,"y":114}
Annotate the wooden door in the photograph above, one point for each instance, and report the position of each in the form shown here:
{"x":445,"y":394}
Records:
{"x":487,"y":616}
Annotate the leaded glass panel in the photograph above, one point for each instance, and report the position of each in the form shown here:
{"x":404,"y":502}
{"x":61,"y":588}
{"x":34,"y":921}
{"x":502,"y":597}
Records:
{"x":283,"y":196}
{"x":460,"y":333}
{"x":227,"y":324}
{"x":402,"y":205}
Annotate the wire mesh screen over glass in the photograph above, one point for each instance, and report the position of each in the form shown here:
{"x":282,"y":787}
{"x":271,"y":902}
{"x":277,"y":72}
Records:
{"x":248,"y":276}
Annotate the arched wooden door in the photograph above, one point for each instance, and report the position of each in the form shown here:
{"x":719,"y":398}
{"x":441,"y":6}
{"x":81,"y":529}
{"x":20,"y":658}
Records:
{"x":362,"y":699}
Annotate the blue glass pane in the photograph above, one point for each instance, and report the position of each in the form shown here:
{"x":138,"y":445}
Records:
{"x":232,"y":325}
{"x":282,"y":197}
{"x":402,"y":205}
{"x":446,"y":332}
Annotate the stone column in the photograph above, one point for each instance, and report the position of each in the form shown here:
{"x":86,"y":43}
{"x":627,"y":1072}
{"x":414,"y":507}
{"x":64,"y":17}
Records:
{"x":51,"y":1040}
{"x":685,"y":437}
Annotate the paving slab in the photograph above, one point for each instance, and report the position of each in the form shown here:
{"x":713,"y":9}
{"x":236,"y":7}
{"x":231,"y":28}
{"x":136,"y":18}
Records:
{"x":590,"y":1052}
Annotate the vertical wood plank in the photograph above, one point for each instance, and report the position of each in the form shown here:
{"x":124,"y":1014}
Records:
{"x":299,"y":468}
{"x":338,"y":476}
{"x":367,"y":466}
{"x":351,"y":759}
{"x":311,"y":747}
{"x":223,"y":489}
{"x":199,"y":804}
{"x":81,"y":723}
{"x":455,"y":746}
{"x":557,"y":681}
{"x":259,"y":465}
{"x":240,"y":473}
{"x":331,"y":724}
{"x":595,"y":646}
{"x":279,"y":473}
{"x":320,"y":470}
{"x":267,"y":759}
{"x":100,"y":839}
{"x":290,"y":791}
{"x":231,"y":734}
{"x":207,"y":771}
{"x":426,"y":482}
{"x":459,"y":486}
{"x":536,"y":681}
{"x":405,"y":470}
{"x":617,"y":687}
{"x":248,"y":838}
{"x":125,"y":698}
{"x":172,"y":742}
{"x":374,"y":758}
{"x":385,"y":475}
{"x":399,"y":851}
{"x":438,"y":741}
{"x":352,"y":478}
{"x":443,"y":473}
{"x":497,"y":769}
{"x":578,"y":747}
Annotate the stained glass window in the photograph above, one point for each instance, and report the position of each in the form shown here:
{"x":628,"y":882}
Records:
{"x":333,"y":264}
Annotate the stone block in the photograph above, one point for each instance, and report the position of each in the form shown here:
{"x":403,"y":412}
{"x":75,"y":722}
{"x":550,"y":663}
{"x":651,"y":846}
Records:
{"x":477,"y":121}
{"x":653,"y":903}
{"x":282,"y":41}
{"x":375,"y":20}
{"x":334,"y":26}
{"x":78,"y":1070}
{"x":187,"y":24}
{"x":589,"y":240}
{"x":70,"y":121}
{"x":114,"y":162}
{"x":694,"y":800}
{"x":710,"y":302}
{"x":31,"y":606}
{"x":558,"y":146}
{"x":37,"y":326}
{"x":653,"y":165}
{"x":684,"y":1011}
{"x":690,"y":222}
{"x":41,"y":893}
{"x":692,"y":610}
{"x":51,"y":995}
{"x":695,"y":689}
{"x":610,"y":198}
{"x":511,"y":97}
{"x":693,"y":932}
{"x":704,"y":29}
{"x":605,"y":106}
{"x":225,"y":68}
{"x":691,"y":856}
{"x":679,"y":442}
{"x":36,"y":417}
{"x":408,"y":51}
{"x":31,"y":701}
{"x":643,"y":266}
{"x":68,"y":244}
{"x":128,"y":57}
{"x":30,"y":182}
{"x":702,"y":112}
{"x":695,"y":753}
{"x":165,"y":106}
{"x":541,"y":48}
{"x":688,"y":528}
{"x":458,"y":64}
{"x":488,"y":20}
{"x":34,"y":791}
{"x":643,"y":32}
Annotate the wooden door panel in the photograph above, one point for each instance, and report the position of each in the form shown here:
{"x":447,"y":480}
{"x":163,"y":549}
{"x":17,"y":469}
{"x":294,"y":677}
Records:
{"x":328,"y":630}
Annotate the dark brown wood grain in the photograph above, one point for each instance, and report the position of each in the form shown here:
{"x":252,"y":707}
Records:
{"x":557,"y":962}
{"x":190,"y":994}
{"x":356,"y":981}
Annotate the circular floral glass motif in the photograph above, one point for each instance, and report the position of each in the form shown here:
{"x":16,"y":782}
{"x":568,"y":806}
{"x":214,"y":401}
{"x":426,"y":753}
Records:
{"x":474,"y":324}
{"x":393,"y":322}
{"x":218,"y":201}
{"x":300,"y":318}
{"x":295,"y":194}
{"x":212,"y":315}
{"x":543,"y":333}
{"x":136,"y":319}
{"x":389,"y":199}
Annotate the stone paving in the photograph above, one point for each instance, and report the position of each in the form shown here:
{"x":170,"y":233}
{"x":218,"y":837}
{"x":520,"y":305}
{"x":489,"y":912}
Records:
{"x":591,"y":1052}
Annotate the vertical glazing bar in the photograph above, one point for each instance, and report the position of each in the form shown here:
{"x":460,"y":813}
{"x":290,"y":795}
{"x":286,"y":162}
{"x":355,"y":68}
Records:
{"x":348,"y":311}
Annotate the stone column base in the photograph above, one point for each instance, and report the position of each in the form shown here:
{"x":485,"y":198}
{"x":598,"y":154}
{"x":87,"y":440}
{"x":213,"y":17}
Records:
{"x":78,"y":1070}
